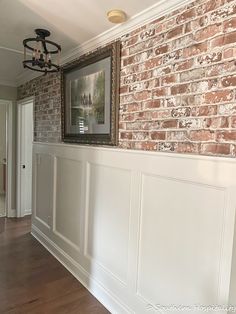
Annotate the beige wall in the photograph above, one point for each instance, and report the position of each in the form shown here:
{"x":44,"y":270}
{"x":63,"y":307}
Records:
{"x":10,"y":93}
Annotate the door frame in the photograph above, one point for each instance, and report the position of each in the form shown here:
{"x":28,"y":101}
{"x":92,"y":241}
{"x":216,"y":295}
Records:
{"x":19,"y":211}
{"x":10,"y":212}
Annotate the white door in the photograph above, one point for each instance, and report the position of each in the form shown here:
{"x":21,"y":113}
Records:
{"x":3,"y":159}
{"x":25,"y":156}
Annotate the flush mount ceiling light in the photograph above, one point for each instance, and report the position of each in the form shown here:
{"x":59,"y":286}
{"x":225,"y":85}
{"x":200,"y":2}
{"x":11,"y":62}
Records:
{"x":116,"y":16}
{"x":41,"y":51}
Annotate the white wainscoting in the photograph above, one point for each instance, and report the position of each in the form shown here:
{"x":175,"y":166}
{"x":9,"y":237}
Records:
{"x":138,"y":229}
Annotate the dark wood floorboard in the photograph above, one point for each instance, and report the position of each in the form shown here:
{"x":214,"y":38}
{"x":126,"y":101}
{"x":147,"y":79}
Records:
{"x":32,"y":281}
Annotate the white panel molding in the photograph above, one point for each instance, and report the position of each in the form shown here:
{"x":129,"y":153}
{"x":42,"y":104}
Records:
{"x":161,"y":8}
{"x":227,"y":229}
{"x":42,"y":222}
{"x":110,"y":301}
{"x":87,"y":210}
{"x":36,"y":162}
{"x":69,"y":242}
{"x":55,"y":178}
{"x":170,"y":178}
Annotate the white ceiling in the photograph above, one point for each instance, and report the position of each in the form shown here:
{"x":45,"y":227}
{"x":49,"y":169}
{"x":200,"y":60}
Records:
{"x":71,"y":22}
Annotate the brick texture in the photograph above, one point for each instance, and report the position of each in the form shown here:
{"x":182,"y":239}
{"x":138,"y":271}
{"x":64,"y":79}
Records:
{"x":47,"y":110}
{"x":191,"y":54}
{"x":177,"y":84}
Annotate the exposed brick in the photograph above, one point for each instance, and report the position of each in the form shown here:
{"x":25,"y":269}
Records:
{"x":140,"y":136}
{"x":168,"y":80}
{"x":152,"y":63}
{"x":180,"y":89}
{"x":195,"y":49}
{"x":147,"y":33}
{"x":145,"y":145}
{"x":208,"y":6}
{"x":204,"y":110}
{"x":201,"y":135}
{"x":124,"y":89}
{"x":181,"y":112}
{"x":175,"y":32}
{"x":227,"y":109}
{"x":192,"y":75}
{"x":126,"y":135}
{"x":218,"y":96}
{"x":154,"y":103}
{"x":233,"y":122}
{"x":161,"y":50}
{"x":217,"y":122}
{"x":229,"y":81}
{"x":169,"y":124}
{"x":46,"y":90}
{"x":185,"y":16}
{"x":208,"y":32}
{"x":223,"y":12}
{"x":190,"y":123}
{"x":159,"y":92}
{"x":229,"y":25}
{"x":177,"y":135}
{"x":187,"y":147}
{"x":209,"y":58}
{"x":226,"y":136}
{"x":223,"y":40}
{"x":157,"y":135}
{"x":215,"y":149}
{"x":229,"y":53}
{"x":142,"y":95}
{"x":184,"y":65}
{"x":166,"y":147}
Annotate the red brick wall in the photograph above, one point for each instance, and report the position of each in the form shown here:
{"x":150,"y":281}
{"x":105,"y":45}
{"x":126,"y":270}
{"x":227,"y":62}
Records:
{"x":178,"y":78}
{"x":47,"y":110}
{"x":178,"y":82}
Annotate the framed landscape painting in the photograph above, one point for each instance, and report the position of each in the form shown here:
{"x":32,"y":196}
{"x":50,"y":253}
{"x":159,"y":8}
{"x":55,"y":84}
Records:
{"x":90,"y":97}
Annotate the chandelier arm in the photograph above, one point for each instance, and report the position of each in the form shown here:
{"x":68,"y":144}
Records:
{"x":53,"y":65}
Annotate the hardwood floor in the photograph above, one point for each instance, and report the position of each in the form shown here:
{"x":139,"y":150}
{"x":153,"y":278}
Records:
{"x":32,"y":281}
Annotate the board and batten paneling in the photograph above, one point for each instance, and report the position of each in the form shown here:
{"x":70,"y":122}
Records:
{"x":137,"y":228}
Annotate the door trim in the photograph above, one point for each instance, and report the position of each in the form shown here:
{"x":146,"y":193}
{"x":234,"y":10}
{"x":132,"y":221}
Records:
{"x":19,"y":211}
{"x":10,"y":212}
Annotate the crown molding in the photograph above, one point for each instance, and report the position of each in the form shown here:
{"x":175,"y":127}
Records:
{"x":162,"y":7}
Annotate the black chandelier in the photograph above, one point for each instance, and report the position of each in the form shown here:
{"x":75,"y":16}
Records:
{"x":41,"y":51}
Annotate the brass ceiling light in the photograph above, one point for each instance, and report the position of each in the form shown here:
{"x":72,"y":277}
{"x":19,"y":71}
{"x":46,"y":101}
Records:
{"x":116,"y":16}
{"x":41,"y":51}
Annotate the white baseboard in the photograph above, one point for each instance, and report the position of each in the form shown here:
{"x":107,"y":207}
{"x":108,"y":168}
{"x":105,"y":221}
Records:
{"x":28,"y":212}
{"x":96,"y":289}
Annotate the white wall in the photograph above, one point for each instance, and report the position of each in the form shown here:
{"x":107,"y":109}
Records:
{"x":137,"y":228}
{"x":3,"y":153}
{"x":10,"y":93}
